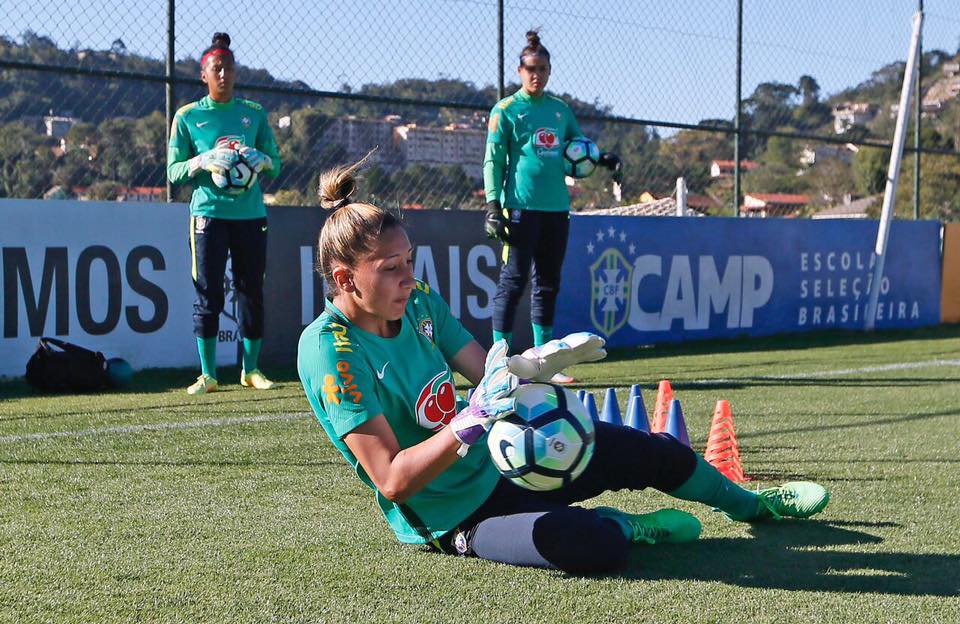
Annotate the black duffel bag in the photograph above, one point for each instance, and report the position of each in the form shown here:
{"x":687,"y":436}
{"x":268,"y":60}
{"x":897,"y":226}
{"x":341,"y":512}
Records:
{"x":58,"y":366}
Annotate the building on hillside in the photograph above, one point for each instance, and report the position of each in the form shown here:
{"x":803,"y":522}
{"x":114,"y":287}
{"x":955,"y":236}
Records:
{"x":850,"y":114}
{"x":726,"y":168}
{"x":850,"y":208}
{"x":454,"y":144}
{"x":773,"y":204}
{"x":58,"y":126}
{"x":811,"y":155}
{"x":358,"y":136}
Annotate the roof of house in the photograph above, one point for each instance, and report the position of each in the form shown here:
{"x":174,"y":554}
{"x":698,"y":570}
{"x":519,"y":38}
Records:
{"x":664,"y":207}
{"x":857,"y":209}
{"x":744,"y":164}
{"x":781,"y":198}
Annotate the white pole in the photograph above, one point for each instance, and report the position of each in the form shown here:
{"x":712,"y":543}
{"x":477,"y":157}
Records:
{"x":681,"y":197}
{"x":893,"y":171}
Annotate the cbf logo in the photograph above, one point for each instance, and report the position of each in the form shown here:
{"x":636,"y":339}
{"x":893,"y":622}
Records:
{"x":610,"y":279}
{"x":437,"y":403}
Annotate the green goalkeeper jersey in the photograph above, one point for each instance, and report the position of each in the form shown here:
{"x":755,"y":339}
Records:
{"x":202,"y":125}
{"x":523,"y":164}
{"x":351,"y":376}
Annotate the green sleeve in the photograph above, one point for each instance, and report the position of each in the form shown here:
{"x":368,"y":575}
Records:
{"x":344,"y":387}
{"x":495,"y":156}
{"x":267,"y":144}
{"x":449,"y":334}
{"x":573,"y":128}
{"x":179,"y":151}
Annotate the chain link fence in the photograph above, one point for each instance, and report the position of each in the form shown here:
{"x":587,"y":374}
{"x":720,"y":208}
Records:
{"x":84,"y":110}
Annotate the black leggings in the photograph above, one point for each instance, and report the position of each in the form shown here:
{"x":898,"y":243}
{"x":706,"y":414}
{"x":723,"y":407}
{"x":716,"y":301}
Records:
{"x":538,"y":242}
{"x":541,"y":529}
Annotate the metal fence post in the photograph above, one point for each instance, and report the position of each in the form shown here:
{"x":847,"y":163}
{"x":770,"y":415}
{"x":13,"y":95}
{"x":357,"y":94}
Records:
{"x":916,"y":127}
{"x":171,"y":101}
{"x":736,"y":119}
{"x":500,"y":94}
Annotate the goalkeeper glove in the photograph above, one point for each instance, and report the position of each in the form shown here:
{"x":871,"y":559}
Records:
{"x":543,"y":362}
{"x":217,"y":160}
{"x":614,"y":164}
{"x":490,"y":401}
{"x":495,"y":224}
{"x":257,"y":160}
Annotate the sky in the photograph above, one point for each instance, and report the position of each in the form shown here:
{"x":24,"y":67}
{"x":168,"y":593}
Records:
{"x":648,"y":59}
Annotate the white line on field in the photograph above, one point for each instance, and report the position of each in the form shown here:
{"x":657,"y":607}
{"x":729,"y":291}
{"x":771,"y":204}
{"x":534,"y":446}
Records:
{"x":832,"y":373}
{"x":192,"y":424}
{"x":242,"y":420}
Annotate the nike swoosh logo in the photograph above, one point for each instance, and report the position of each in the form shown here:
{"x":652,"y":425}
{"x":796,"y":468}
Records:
{"x":383,"y":371}
{"x":522,"y":116}
{"x":263,"y":229}
{"x":201,"y":124}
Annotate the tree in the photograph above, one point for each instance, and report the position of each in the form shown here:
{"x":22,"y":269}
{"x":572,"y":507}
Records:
{"x":24,"y":161}
{"x":870,"y":169}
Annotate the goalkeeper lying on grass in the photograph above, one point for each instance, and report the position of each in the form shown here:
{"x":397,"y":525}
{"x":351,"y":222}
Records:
{"x":377,"y":368}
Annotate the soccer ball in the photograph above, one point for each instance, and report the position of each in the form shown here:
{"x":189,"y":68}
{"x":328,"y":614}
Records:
{"x":580,"y":157}
{"x":239,"y":178}
{"x":547,"y":443}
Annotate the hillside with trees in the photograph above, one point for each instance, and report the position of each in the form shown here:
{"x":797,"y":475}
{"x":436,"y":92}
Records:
{"x":117,"y":135}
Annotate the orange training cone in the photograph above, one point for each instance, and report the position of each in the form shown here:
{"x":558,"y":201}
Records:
{"x":661,"y":410}
{"x":723,"y":452}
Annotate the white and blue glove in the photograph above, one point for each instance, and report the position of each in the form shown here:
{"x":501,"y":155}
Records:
{"x":490,"y":401}
{"x":257,"y":160}
{"x":218,"y":160}
{"x":543,"y":362}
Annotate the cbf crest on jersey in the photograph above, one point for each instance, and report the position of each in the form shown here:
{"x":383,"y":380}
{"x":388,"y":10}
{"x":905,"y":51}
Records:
{"x":610,"y":278}
{"x":425,"y":327}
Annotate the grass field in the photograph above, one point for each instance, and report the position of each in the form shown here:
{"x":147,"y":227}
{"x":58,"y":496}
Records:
{"x":149,"y":506}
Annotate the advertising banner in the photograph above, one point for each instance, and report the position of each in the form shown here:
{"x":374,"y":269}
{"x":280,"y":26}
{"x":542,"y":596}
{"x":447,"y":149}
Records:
{"x":644,"y":280}
{"x":115,"y":277}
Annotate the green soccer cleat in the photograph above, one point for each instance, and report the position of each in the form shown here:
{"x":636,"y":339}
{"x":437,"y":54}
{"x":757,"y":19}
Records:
{"x":666,"y":526}
{"x":798,"y":499}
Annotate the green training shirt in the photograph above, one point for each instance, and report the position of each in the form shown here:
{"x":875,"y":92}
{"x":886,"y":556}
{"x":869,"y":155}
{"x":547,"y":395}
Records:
{"x":523,"y":164}
{"x":202,"y":125}
{"x":351,"y":376}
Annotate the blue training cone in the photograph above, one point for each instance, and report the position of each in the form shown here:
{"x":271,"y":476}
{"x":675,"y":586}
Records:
{"x":591,"y":404}
{"x":611,"y":410}
{"x":637,"y":413}
{"x":675,"y":424}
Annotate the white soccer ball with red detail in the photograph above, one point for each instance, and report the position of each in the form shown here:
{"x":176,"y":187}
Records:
{"x":548,"y":442}
{"x":238,"y":179}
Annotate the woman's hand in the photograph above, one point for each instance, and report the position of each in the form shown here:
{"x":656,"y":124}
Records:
{"x":490,"y":401}
{"x":495,"y":224}
{"x":543,"y":362}
{"x":612,"y":162}
{"x":218,"y":160}
{"x":256,"y":159}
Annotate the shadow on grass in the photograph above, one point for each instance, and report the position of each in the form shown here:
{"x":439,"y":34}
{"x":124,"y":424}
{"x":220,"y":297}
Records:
{"x":187,"y":463}
{"x":153,"y":380}
{"x":828,"y":338}
{"x":867,"y":424}
{"x":797,"y":556}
